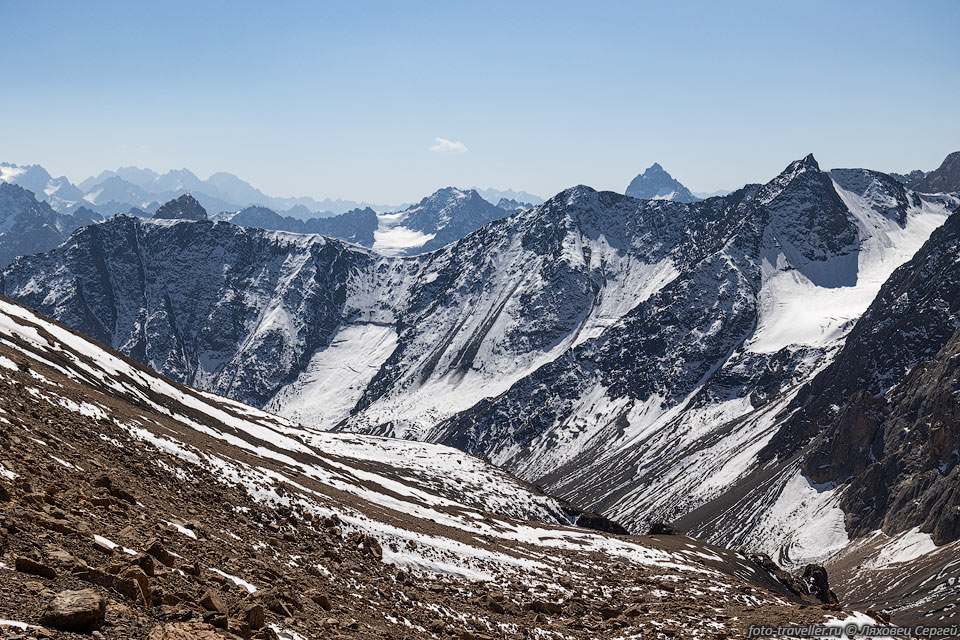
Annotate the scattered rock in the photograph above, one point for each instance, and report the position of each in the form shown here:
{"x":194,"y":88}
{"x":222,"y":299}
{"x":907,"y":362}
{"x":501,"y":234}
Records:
{"x":322,"y":600}
{"x":156,"y":549}
{"x":81,"y":611}
{"x":102,"y":547}
{"x":137,"y":574}
{"x":211,"y":601}
{"x":610,"y":612}
{"x":255,"y":616}
{"x":128,"y":588}
{"x":541,"y":606}
{"x":183,"y":631}
{"x":26,"y":565}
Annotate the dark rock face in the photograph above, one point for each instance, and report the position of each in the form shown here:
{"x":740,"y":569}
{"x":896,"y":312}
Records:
{"x":884,"y":416}
{"x":912,"y":177}
{"x":29,"y":226}
{"x":161,"y":294}
{"x":356,"y":226}
{"x":656,"y":183}
{"x":811,"y":580}
{"x":944,"y":179}
{"x":185,"y":207}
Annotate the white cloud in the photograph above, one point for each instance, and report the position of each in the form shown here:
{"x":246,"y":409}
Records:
{"x":448,"y":146}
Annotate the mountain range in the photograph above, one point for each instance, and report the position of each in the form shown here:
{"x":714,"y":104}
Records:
{"x":771,"y":369}
{"x":118,"y":191}
{"x":494,"y":196}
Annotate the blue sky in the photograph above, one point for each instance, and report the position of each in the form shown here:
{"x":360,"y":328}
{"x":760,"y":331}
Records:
{"x":346,"y":99}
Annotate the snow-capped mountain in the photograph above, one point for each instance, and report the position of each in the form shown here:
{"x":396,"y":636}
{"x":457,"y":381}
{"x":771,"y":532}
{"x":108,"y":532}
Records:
{"x":866,"y":453}
{"x":220,"y":192}
{"x":57,"y":191}
{"x":112,"y":192}
{"x":703,"y":195}
{"x":656,"y":184}
{"x":633,"y":356}
{"x":442,"y":217}
{"x":944,"y":179}
{"x":29,"y":226}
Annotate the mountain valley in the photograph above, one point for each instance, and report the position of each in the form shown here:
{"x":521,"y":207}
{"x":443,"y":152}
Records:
{"x":646,"y":360}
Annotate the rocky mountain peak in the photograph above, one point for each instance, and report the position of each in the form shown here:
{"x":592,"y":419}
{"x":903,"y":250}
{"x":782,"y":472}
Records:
{"x":656,"y":184}
{"x":185,"y":207}
{"x":944,"y":179}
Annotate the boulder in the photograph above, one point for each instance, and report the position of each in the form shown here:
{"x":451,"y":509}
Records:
{"x":211,"y":601}
{"x":255,"y":616}
{"x":541,"y":606}
{"x":156,"y":549}
{"x":816,"y":578}
{"x":128,"y":588}
{"x":34,"y":568}
{"x":137,"y":574}
{"x":81,"y":611}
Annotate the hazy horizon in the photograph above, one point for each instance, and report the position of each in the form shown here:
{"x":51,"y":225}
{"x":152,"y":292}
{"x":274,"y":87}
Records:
{"x":386,"y":103}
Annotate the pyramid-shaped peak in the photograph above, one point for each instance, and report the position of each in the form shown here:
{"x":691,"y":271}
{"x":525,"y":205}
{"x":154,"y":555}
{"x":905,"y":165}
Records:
{"x":656,"y":184}
{"x":185,"y":207}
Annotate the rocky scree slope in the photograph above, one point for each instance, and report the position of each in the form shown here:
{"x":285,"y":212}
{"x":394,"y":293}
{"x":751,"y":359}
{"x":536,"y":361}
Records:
{"x":136,"y":507}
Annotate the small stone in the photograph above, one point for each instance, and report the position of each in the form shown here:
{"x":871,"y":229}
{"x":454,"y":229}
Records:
{"x":26,"y":565}
{"x":322,"y":600}
{"x":146,"y":563}
{"x":183,"y":631}
{"x":81,"y":611}
{"x":609,"y":612}
{"x":102,"y":547}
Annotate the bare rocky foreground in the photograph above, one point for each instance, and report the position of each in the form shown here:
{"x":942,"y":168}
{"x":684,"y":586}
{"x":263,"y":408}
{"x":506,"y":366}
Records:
{"x":132,"y":507}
